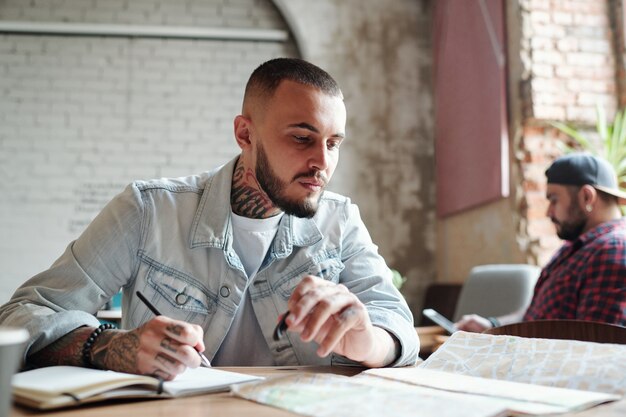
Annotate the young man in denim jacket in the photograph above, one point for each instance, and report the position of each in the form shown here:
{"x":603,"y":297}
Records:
{"x":225,"y":254}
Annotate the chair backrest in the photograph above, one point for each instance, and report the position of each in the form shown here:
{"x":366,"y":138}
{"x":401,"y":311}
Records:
{"x":442,"y":297}
{"x":496,"y":290}
{"x":588,"y":331}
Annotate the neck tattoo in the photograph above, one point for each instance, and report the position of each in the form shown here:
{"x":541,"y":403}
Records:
{"x":246,"y":197}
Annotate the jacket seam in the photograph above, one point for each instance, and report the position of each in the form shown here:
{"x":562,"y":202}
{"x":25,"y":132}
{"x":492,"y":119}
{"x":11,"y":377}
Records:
{"x":142,"y":237}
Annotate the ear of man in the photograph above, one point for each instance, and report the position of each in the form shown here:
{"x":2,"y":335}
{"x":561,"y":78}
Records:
{"x":243,"y":128}
{"x":587,"y":198}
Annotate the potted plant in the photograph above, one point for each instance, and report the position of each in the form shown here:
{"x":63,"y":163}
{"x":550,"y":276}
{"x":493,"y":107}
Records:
{"x":397,"y":278}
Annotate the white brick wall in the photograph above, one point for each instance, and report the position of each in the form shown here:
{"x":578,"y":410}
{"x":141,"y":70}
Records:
{"x":80,"y":117}
{"x":259,"y":14}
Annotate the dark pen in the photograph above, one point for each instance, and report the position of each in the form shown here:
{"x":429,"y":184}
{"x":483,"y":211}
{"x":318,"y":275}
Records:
{"x":281,"y":327}
{"x":156,"y":312}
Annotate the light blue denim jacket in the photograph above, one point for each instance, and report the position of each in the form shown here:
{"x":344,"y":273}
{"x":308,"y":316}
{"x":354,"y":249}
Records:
{"x":172,"y":240}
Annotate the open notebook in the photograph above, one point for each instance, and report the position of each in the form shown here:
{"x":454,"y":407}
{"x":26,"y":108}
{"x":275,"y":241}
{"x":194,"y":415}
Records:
{"x":64,"y":386}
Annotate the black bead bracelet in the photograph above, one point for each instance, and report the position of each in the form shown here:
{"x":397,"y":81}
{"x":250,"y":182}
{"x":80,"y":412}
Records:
{"x":90,"y":341}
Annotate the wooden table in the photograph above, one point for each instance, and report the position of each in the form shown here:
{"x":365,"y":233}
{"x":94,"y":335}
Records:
{"x":431,"y":337}
{"x":223,"y":404}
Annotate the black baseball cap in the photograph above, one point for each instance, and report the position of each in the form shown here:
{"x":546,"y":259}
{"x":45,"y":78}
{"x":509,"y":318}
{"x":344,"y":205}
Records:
{"x":585,"y":169}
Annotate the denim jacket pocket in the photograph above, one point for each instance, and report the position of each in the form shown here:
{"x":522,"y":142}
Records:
{"x":175,"y":294}
{"x":326,"y":265}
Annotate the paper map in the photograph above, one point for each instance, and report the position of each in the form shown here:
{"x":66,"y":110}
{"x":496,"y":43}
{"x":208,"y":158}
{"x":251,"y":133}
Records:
{"x":413,"y":391}
{"x":462,"y":379}
{"x":559,"y":363}
{"x":326,"y":395}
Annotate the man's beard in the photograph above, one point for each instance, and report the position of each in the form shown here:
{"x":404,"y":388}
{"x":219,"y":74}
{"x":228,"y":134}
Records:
{"x":275,"y":188}
{"x":573,"y":227}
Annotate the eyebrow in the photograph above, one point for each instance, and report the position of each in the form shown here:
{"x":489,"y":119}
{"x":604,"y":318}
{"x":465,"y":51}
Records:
{"x":312,"y":128}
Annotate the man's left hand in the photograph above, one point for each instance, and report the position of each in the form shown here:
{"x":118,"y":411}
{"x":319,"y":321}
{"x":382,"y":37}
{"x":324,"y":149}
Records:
{"x":337,"y":321}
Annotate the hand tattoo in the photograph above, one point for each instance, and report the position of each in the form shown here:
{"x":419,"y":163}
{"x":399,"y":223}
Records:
{"x":176,"y":329}
{"x":167,"y":361}
{"x":159,"y":373}
{"x":170,"y":345}
{"x":118,"y":351}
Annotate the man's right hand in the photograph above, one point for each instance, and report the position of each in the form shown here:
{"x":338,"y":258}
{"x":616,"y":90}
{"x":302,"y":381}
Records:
{"x":163,"y":347}
{"x":473,"y":323}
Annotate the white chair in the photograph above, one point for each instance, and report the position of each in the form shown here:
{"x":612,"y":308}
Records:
{"x":496,"y":290}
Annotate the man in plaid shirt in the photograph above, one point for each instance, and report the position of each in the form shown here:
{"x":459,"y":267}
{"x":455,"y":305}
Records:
{"x":586,"y":279}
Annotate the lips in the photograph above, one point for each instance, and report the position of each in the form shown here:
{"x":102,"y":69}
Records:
{"x":312,"y":179}
{"x":313,"y":183}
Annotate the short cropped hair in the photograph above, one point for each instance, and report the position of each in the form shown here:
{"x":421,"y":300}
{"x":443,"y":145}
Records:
{"x":266,"y":78}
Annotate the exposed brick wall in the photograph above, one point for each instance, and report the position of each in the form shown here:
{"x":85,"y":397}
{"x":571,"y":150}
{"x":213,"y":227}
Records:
{"x":617,"y":24}
{"x":569,"y":66}
{"x":81,"y":116}
{"x":540,"y":148}
{"x":570,"y":61}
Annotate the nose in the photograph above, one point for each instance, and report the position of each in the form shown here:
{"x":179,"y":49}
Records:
{"x":318,"y":160}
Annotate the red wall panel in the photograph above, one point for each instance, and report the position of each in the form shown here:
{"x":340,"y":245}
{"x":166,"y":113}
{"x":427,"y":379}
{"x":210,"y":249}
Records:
{"x":471,"y":149}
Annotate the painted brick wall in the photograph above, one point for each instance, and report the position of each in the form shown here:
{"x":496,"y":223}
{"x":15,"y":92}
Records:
{"x":80,"y":117}
{"x":569,"y":66}
{"x":569,"y":46}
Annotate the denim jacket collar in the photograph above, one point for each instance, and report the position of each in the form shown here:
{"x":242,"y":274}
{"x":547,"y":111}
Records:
{"x":213,"y":229}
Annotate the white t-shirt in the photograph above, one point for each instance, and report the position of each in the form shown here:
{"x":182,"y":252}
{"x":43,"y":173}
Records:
{"x":244,"y":344}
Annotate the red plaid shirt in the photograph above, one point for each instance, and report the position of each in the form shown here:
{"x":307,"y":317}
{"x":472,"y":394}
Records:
{"x":586,"y":279}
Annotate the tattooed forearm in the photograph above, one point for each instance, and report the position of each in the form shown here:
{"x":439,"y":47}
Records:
{"x":65,"y":351}
{"x":113,"y":349}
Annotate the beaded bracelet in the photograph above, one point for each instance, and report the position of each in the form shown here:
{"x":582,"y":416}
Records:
{"x":90,"y":341}
{"x":494,"y":321}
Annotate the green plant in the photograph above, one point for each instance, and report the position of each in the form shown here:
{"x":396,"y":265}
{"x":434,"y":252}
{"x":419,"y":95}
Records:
{"x":397,"y":279}
{"x":612,"y":144}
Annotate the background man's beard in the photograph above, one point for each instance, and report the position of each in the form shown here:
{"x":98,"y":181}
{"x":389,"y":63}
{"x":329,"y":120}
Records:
{"x":571,"y":229}
{"x":274,"y":188}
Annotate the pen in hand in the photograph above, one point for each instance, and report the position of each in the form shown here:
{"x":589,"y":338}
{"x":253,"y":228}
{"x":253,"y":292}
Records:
{"x":156,"y":312}
{"x":281,"y":327}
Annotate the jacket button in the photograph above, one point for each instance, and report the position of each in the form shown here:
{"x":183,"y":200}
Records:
{"x":181,"y":298}
{"x":224,"y":291}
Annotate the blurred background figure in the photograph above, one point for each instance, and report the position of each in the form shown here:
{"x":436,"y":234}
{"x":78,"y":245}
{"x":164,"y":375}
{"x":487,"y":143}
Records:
{"x":586,"y":279}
